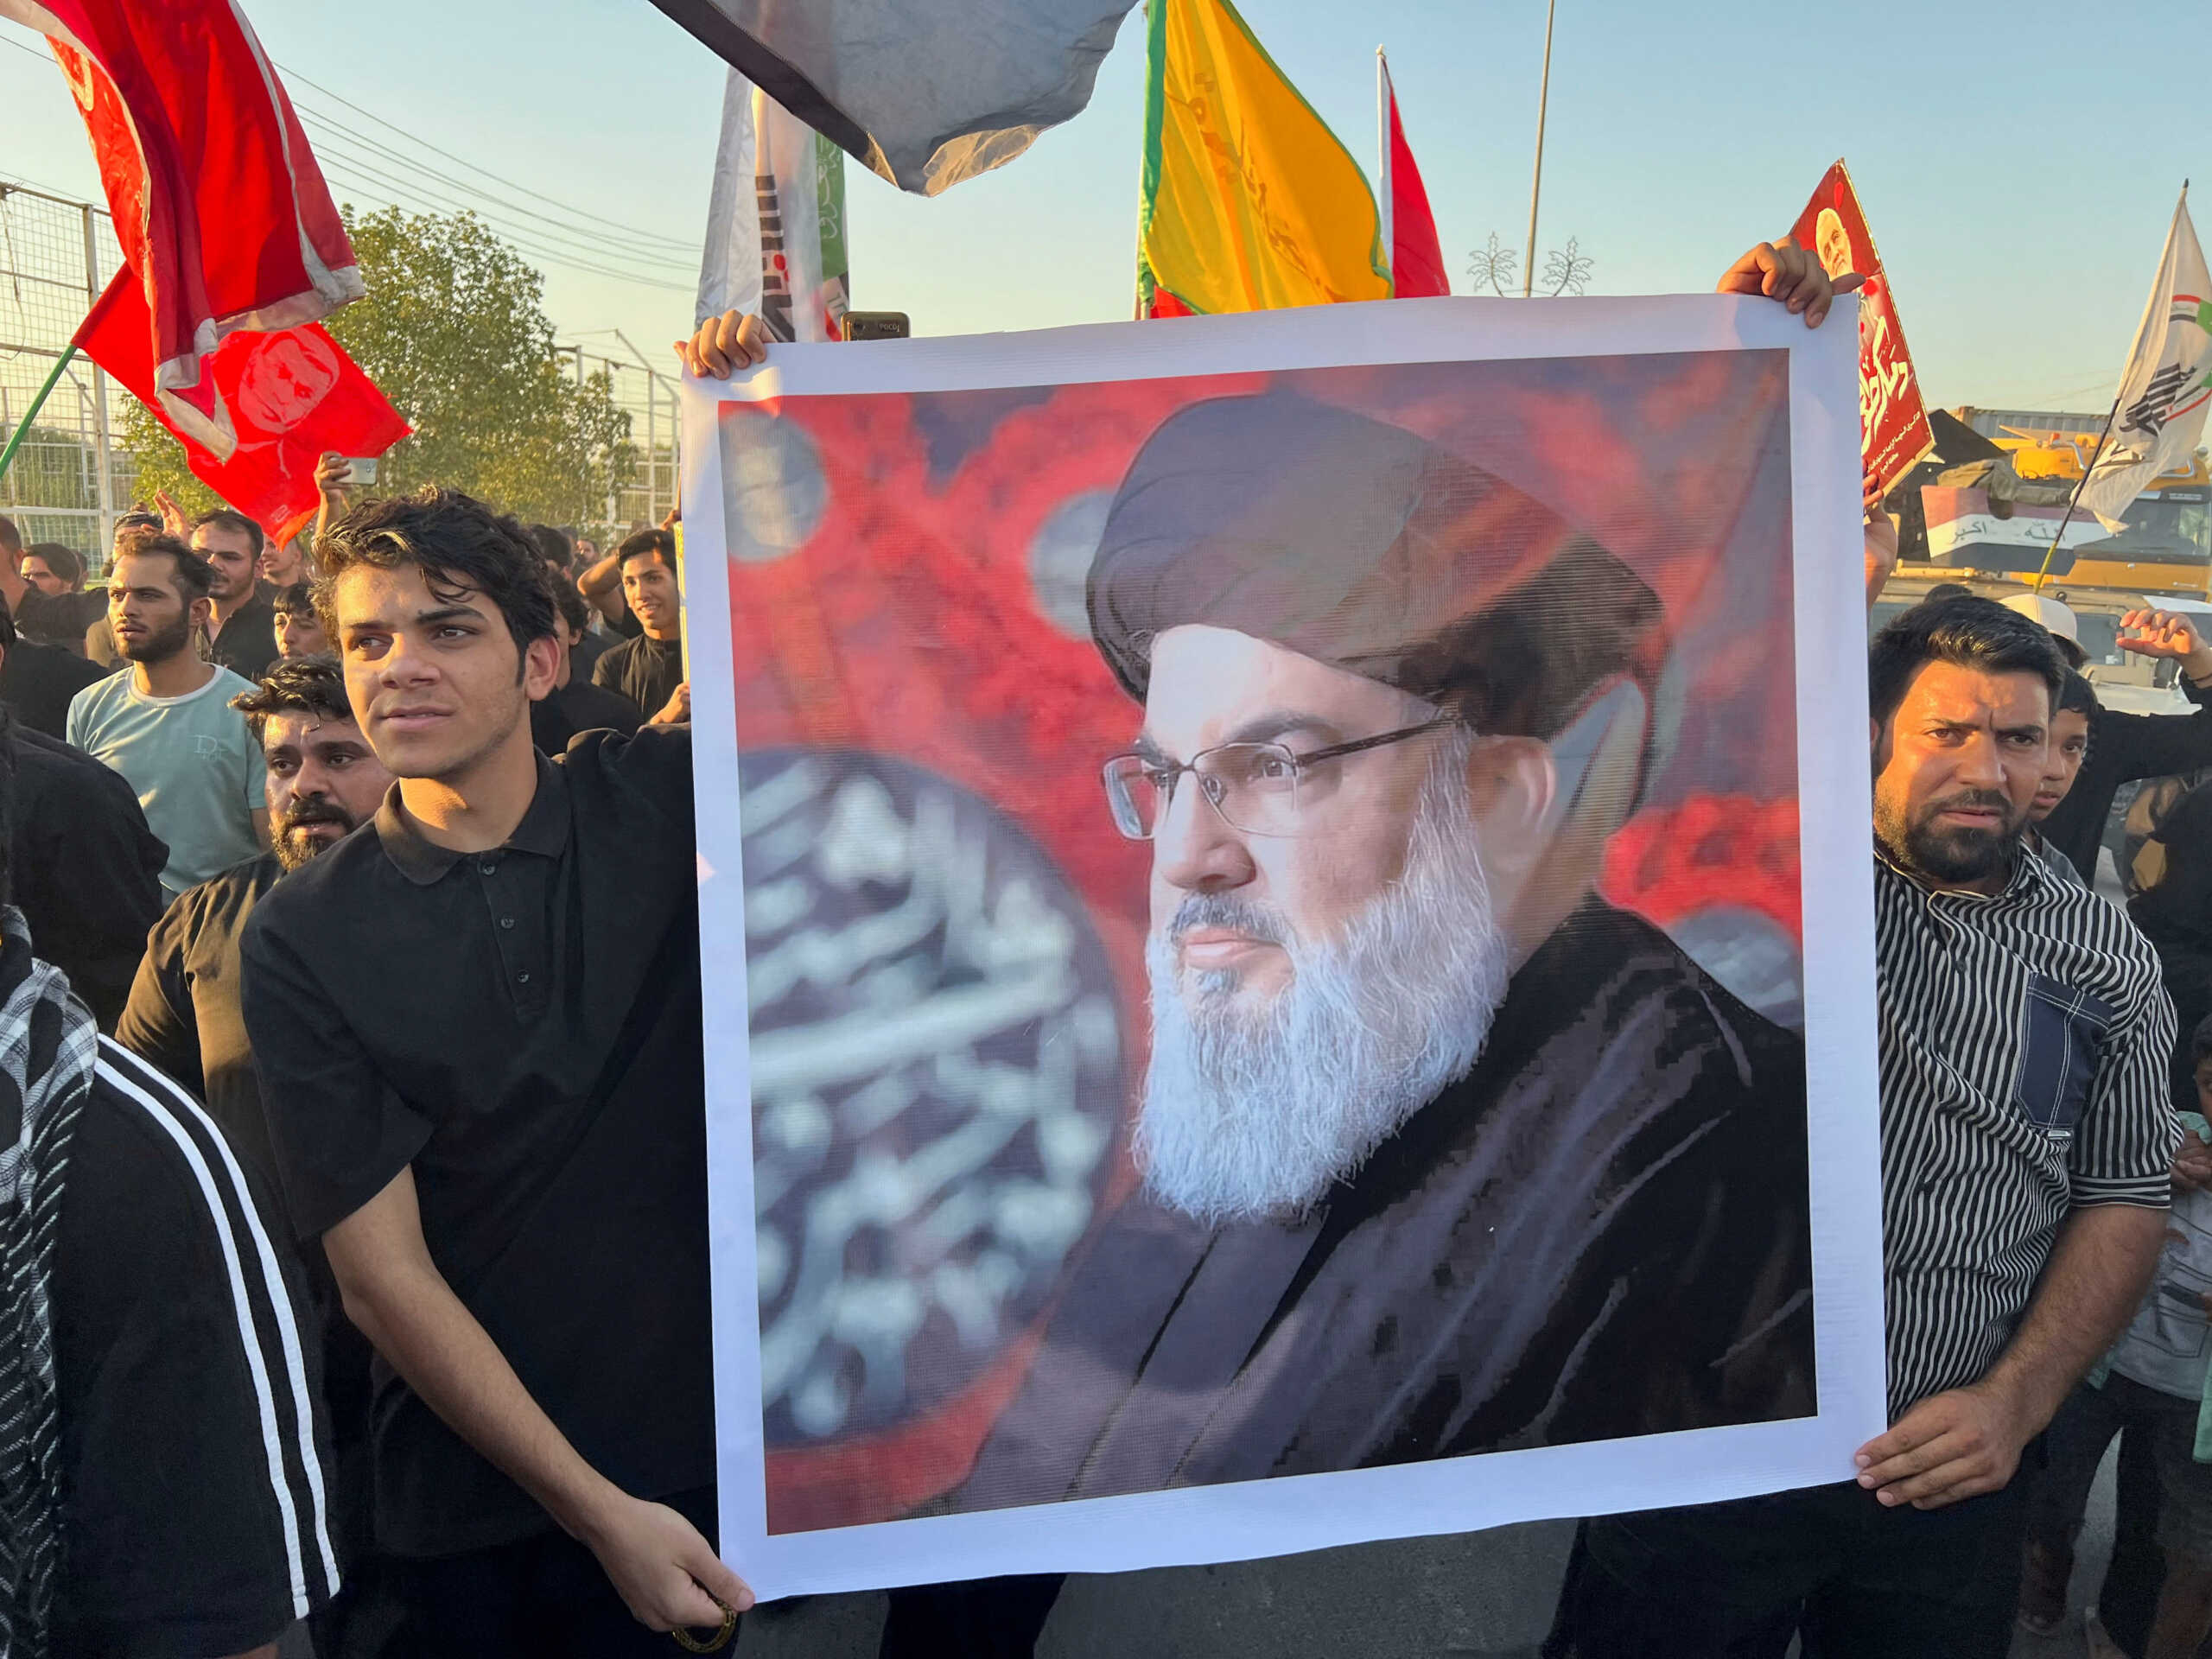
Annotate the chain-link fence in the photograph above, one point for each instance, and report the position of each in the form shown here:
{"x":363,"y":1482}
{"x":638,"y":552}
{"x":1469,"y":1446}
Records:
{"x":69,"y":478}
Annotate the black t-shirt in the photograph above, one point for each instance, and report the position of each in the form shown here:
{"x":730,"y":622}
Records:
{"x":183,"y":1014}
{"x":59,"y":619}
{"x":246,"y":643}
{"x":184,"y":1019}
{"x":559,"y":715}
{"x":37,"y":681}
{"x":645,"y":670}
{"x":2123,"y":747}
{"x":525,"y":1035}
{"x":194,"y":1516}
{"x":584,"y":656}
{"x":85,"y":870}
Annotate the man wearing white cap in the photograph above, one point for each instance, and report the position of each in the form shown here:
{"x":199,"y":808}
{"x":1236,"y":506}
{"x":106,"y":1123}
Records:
{"x":2124,"y":747}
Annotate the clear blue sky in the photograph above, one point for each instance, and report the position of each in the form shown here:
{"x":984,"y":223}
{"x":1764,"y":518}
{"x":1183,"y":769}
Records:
{"x":2018,"y":164}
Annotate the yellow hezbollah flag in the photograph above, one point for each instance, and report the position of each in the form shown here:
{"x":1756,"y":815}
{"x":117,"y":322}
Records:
{"x":1249,"y":201}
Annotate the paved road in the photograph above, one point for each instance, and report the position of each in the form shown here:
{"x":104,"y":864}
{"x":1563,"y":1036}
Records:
{"x":1481,"y":1596}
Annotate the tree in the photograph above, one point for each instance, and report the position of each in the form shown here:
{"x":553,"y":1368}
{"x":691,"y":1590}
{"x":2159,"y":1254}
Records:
{"x":454,"y":332}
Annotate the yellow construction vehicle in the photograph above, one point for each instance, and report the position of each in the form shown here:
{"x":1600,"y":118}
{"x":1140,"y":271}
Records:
{"x":1985,"y":512}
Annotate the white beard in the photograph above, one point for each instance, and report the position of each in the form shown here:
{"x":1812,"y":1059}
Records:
{"x":1256,"y":1114}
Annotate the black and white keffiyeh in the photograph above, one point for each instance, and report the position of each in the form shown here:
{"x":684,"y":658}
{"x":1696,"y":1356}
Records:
{"x":48,"y":1047}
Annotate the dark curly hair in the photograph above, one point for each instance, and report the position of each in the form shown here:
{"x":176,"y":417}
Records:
{"x":195,"y":577}
{"x":460,"y":545}
{"x":567,"y":600}
{"x":307,"y":685}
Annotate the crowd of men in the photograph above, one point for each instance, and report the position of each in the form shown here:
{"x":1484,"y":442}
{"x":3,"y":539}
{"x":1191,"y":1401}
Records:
{"x":350,"y":1016}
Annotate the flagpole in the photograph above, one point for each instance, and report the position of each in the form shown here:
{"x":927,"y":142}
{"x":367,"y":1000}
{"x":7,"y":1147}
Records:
{"x":1382,"y":161}
{"x":16,"y":438}
{"x":2074,"y":498}
{"x":1537,"y":184}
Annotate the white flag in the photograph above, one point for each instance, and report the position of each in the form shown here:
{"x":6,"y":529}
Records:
{"x":775,"y":220}
{"x":2168,"y":383}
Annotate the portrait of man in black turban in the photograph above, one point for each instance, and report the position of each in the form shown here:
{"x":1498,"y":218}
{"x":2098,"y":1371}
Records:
{"x":1439,"y":1152}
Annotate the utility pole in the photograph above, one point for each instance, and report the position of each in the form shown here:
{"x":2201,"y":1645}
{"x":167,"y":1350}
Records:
{"x":1537,"y":184}
{"x":653,"y":508}
{"x":103,"y":496}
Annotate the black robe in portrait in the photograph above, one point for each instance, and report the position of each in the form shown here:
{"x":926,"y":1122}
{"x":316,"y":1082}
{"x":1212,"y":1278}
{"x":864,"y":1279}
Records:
{"x":1601,"y":1231}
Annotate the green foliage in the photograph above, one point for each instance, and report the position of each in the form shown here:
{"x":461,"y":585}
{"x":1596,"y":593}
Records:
{"x":454,"y":332}
{"x":159,"y":458}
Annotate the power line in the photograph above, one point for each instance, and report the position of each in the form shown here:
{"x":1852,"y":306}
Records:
{"x":332,"y":125}
{"x":355,"y":175}
{"x":352,"y":178}
{"x":628,"y":230}
{"x":371,"y":178}
{"x":336,"y":153}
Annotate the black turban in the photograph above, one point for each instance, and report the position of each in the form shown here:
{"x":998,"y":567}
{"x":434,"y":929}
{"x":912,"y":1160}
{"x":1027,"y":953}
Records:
{"x":1365,"y":546}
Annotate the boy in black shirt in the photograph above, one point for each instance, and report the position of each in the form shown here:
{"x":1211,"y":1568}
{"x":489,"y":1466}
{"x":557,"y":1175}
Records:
{"x":648,"y":669}
{"x":478,"y":1033}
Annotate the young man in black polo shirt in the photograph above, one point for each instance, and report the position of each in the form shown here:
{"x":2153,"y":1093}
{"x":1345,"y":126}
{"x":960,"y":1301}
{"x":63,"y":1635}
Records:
{"x":162,"y":1476}
{"x":478,"y":1033}
{"x":648,"y":669}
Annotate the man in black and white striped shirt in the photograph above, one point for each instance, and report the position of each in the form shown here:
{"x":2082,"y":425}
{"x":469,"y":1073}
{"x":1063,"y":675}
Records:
{"x":2026,"y":1138}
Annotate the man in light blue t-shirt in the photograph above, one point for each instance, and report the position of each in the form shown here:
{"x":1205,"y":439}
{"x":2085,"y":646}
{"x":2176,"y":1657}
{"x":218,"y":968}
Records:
{"x":165,"y":722}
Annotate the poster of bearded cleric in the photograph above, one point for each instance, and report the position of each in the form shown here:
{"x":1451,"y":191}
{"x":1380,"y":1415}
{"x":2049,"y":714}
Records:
{"x":1286,"y":929}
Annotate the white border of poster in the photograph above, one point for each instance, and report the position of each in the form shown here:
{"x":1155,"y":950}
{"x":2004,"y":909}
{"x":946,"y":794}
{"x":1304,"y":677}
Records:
{"x":1192,"y":1525}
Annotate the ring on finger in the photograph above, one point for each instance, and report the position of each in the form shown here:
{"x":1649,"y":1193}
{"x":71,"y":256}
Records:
{"x":720,"y":1640}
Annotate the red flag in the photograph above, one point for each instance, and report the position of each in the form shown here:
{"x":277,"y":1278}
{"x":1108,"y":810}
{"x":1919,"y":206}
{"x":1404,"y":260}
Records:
{"x":1416,"y":255}
{"x":225,"y":220}
{"x":1893,"y":429}
{"x":291,"y":395}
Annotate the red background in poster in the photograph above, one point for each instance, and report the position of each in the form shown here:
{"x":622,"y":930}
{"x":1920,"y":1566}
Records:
{"x":909,"y":622}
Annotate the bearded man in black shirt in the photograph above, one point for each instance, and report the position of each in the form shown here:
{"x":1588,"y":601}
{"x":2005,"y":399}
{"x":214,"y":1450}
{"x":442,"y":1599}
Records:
{"x":478,"y":1028}
{"x":324,"y":781}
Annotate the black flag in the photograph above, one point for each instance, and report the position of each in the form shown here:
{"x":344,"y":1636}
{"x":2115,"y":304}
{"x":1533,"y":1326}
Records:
{"x":925,"y":95}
